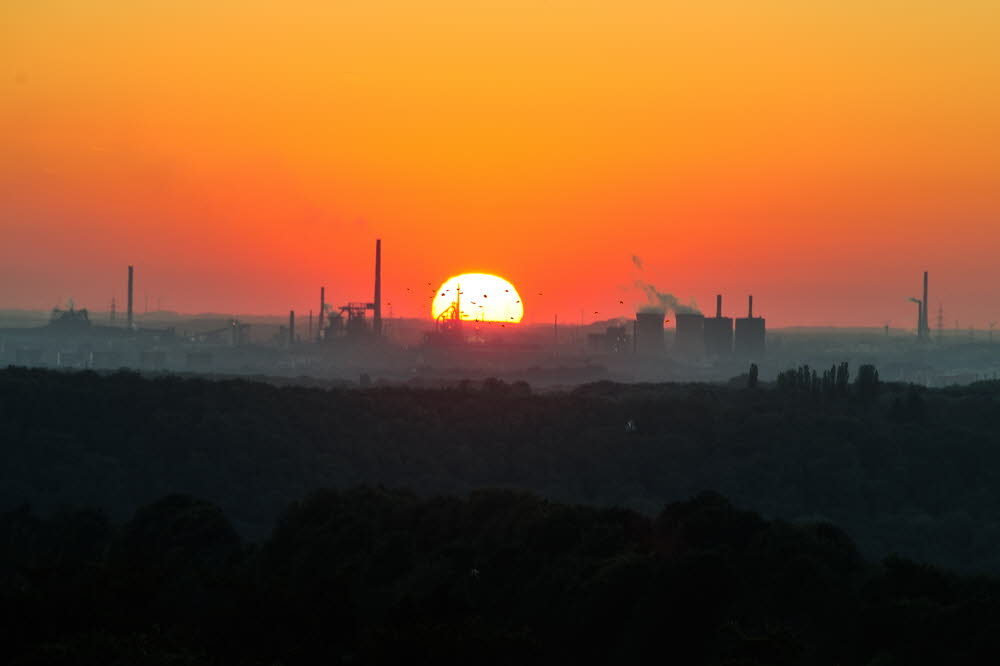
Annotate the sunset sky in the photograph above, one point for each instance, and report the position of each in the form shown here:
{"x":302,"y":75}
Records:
{"x":240,"y":154}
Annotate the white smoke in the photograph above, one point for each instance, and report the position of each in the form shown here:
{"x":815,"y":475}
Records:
{"x":660,"y":301}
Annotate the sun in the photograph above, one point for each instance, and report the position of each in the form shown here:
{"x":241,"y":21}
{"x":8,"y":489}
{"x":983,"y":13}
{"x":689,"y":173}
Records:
{"x":483,"y":297}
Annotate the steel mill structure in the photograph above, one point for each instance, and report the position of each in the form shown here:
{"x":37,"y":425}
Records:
{"x":350,"y":321}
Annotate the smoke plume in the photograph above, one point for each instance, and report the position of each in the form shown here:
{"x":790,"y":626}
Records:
{"x":660,"y":301}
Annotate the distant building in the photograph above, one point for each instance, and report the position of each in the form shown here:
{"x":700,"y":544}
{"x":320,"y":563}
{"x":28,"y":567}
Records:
{"x":649,"y":332}
{"x":689,"y":339}
{"x":751,"y":333}
{"x":718,"y":333}
{"x":613,"y":341}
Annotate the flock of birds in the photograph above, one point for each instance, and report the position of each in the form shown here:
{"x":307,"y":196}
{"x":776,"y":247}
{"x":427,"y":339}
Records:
{"x":434,"y":294}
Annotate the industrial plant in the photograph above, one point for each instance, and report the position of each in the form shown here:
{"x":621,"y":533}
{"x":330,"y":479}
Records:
{"x":698,"y":337}
{"x":665,"y":342}
{"x":350,"y":322}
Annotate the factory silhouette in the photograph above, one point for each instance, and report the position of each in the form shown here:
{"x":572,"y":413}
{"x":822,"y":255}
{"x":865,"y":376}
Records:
{"x":699,"y":336}
{"x":354,"y":338}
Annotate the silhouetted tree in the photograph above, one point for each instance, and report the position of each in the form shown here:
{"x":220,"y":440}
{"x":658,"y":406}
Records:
{"x":843,"y":378}
{"x":866,"y":384}
{"x":895,"y":478}
{"x":373,"y":576}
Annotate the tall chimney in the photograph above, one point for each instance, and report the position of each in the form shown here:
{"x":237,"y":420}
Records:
{"x":750,"y":307}
{"x":377,"y":323}
{"x":291,"y":327}
{"x":130,"y":297}
{"x":718,"y":306}
{"x":925,"y":328}
{"x":322,"y":307}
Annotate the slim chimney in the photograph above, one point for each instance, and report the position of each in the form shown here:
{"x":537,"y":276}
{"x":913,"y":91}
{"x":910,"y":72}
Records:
{"x":718,"y":306}
{"x":924,"y":326}
{"x":750,"y":307}
{"x":291,"y":327}
{"x":130,"y":297}
{"x":322,"y":308}
{"x":377,"y":323}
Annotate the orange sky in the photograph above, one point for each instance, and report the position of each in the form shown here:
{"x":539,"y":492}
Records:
{"x":819,"y":154}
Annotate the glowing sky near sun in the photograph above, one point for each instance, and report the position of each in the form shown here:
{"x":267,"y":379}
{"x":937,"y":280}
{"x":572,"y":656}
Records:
{"x":482,"y":297}
{"x":240,"y":154}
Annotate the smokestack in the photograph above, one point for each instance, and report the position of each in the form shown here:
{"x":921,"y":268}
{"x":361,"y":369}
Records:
{"x":322,"y":307}
{"x":750,"y":307}
{"x":377,"y":324}
{"x":291,"y":327}
{"x":925,"y":327}
{"x":920,"y":316}
{"x":718,"y":306}
{"x":130,"y":297}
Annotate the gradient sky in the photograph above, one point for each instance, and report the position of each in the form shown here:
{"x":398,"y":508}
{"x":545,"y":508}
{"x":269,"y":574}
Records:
{"x":241,"y":153}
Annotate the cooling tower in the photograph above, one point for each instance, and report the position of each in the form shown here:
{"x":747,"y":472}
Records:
{"x":649,"y":333}
{"x":750,"y":334}
{"x":718,"y":332}
{"x":689,"y":340}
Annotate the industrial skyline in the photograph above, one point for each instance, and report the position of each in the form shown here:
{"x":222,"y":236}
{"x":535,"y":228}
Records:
{"x":818,"y":174}
{"x":696,"y":336}
{"x":618,"y":301}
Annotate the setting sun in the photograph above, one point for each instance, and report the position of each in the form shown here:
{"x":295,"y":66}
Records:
{"x":480,"y":297}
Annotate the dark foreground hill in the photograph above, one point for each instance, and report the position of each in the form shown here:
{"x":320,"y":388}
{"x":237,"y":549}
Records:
{"x":903,"y":470}
{"x":376,"y":577}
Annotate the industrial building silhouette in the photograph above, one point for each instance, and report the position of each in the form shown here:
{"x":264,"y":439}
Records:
{"x":698,"y":337}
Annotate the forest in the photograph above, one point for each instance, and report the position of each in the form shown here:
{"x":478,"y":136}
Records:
{"x":371,"y":576}
{"x":903,"y":470}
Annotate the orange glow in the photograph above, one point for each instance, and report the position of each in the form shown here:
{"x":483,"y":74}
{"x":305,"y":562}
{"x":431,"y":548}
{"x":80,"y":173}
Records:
{"x":241,"y":153}
{"x":482,"y":297}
